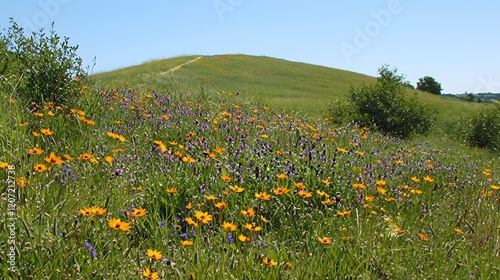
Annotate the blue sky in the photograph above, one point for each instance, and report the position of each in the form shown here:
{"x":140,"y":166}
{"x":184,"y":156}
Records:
{"x":456,"y":42}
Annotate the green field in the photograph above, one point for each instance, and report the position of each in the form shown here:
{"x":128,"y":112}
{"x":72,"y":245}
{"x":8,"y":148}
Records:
{"x":227,"y":169}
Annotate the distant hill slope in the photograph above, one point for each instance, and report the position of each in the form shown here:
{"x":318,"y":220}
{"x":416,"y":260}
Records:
{"x":278,"y":83}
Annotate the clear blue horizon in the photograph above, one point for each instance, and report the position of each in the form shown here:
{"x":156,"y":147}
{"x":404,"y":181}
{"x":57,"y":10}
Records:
{"x":456,"y":42}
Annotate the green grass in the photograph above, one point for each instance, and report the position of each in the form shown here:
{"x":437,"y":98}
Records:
{"x":448,"y":225}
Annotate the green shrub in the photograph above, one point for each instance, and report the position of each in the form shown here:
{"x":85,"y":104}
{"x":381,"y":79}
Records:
{"x":47,"y":67}
{"x":385,"y":107}
{"x":485,"y":129}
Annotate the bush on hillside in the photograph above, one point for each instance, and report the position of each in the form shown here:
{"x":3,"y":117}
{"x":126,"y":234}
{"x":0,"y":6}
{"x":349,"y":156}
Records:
{"x":484,"y":130}
{"x":384,"y":106}
{"x":45,"y":67}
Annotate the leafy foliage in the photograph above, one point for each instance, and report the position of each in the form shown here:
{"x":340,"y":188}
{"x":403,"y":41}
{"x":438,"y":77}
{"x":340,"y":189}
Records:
{"x":429,"y":84}
{"x":485,"y":129}
{"x":48,"y":68}
{"x":384,"y":106}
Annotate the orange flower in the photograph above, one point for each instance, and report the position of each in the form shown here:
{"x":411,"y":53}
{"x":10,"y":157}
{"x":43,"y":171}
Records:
{"x":280,"y":191}
{"x":253,"y":227}
{"x":53,"y":159}
{"x":155,"y":255}
{"x":46,"y":131}
{"x":269,"y":262}
{"x":305,"y":194}
{"x":187,"y":243}
{"x":229,"y":226}
{"x":325,"y":240}
{"x":226,"y":179}
{"x":203,"y":217}
{"x":359,"y":186}
{"x":40,"y":167}
{"x":117,"y":224}
{"x":423,"y":236}
{"x":237,"y":189}
{"x":221,"y":205}
{"x":243,"y":238}
{"x":344,"y":214}
{"x":171,"y":190}
{"x":263,"y":196}
{"x":248,"y":213}
{"x":35,"y":151}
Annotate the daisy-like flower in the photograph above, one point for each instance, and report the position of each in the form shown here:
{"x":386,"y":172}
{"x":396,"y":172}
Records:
{"x":381,"y":190}
{"x":155,"y":255}
{"x":146,"y":272}
{"x":237,"y":189}
{"x":210,"y":197}
{"x":203,"y":217}
{"x":171,"y":190}
{"x":109,"y":159}
{"x":381,"y":182}
{"x":117,"y":224}
{"x":344,"y":214}
{"x":253,"y":227}
{"x":423,"y":236}
{"x":85,"y":211}
{"x":243,"y":238}
{"x":160,"y":146}
{"x":305,"y":194}
{"x":229,"y":226}
{"x":21,"y":182}
{"x":35,"y":151}
{"x":248,"y":213}
{"x":269,"y":262}
{"x":359,"y":186}
{"x":281,"y":191}
{"x":458,"y":230}
{"x":226,"y":179}
{"x":46,"y":131}
{"x":263,"y":196}
{"x":220,"y":205}
{"x":40,"y":167}
{"x":325,"y":240}
{"x":322,"y":193}
{"x":191,"y":222}
{"x":415,"y":179}
{"x":53,"y":159}
{"x":86,"y":156}
{"x":428,"y":179}
{"x":282,"y":176}
{"x":300,"y":185}
{"x":187,"y":243}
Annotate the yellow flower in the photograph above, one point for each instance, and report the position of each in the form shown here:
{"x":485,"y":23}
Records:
{"x":46,"y":131}
{"x":369,"y":198}
{"x":264,"y":219}
{"x":325,"y":240}
{"x":495,"y":187}
{"x":415,"y":179}
{"x":191,"y":222}
{"x":53,"y":159}
{"x":109,"y":159}
{"x":155,"y":255}
{"x":248,"y":213}
{"x":86,"y":156}
{"x":326,"y":182}
{"x":280,"y":191}
{"x":117,"y":224}
{"x":220,"y":205}
{"x":171,"y":190}
{"x":229,"y":226}
{"x":210,"y":197}
{"x":85,"y":211}
{"x":263,"y":196}
{"x":269,"y":262}
{"x":282,"y":176}
{"x":35,"y":151}
{"x":458,"y":230}
{"x":423,"y":236}
{"x":160,"y":145}
{"x":322,"y":193}
{"x":381,"y":190}
{"x":300,"y":185}
{"x":253,"y":227}
{"x":359,"y":186}
{"x":243,"y":238}
{"x":381,"y":182}
{"x":203,"y":217}
{"x":428,"y":179}
{"x":146,"y":272}
{"x":237,"y":189}
{"x":40,"y":167}
{"x":187,"y":243}
{"x":344,"y":214}
{"x":304,"y":194}
{"x":226,"y":179}
{"x":21,"y":182}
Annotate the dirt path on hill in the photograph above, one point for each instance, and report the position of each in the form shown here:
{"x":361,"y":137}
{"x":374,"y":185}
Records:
{"x":179,"y":66}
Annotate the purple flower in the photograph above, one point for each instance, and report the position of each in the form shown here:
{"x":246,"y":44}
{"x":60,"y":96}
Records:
{"x":162,"y":224}
{"x":193,"y":232}
{"x":230,"y":239}
{"x":185,"y":235}
{"x":88,"y":245}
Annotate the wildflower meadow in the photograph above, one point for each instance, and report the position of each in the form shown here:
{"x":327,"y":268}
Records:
{"x":143,"y":184}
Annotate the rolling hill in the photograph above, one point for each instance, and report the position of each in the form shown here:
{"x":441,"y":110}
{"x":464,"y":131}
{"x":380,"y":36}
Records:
{"x":285,"y":85}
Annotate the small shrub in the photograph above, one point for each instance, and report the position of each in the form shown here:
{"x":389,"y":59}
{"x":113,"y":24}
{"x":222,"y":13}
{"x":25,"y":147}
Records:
{"x":340,"y":112}
{"x":384,"y":107}
{"x":485,"y":129}
{"x":47,"y":66}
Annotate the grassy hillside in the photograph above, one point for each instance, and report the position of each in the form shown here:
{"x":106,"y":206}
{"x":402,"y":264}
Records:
{"x":304,"y":88}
